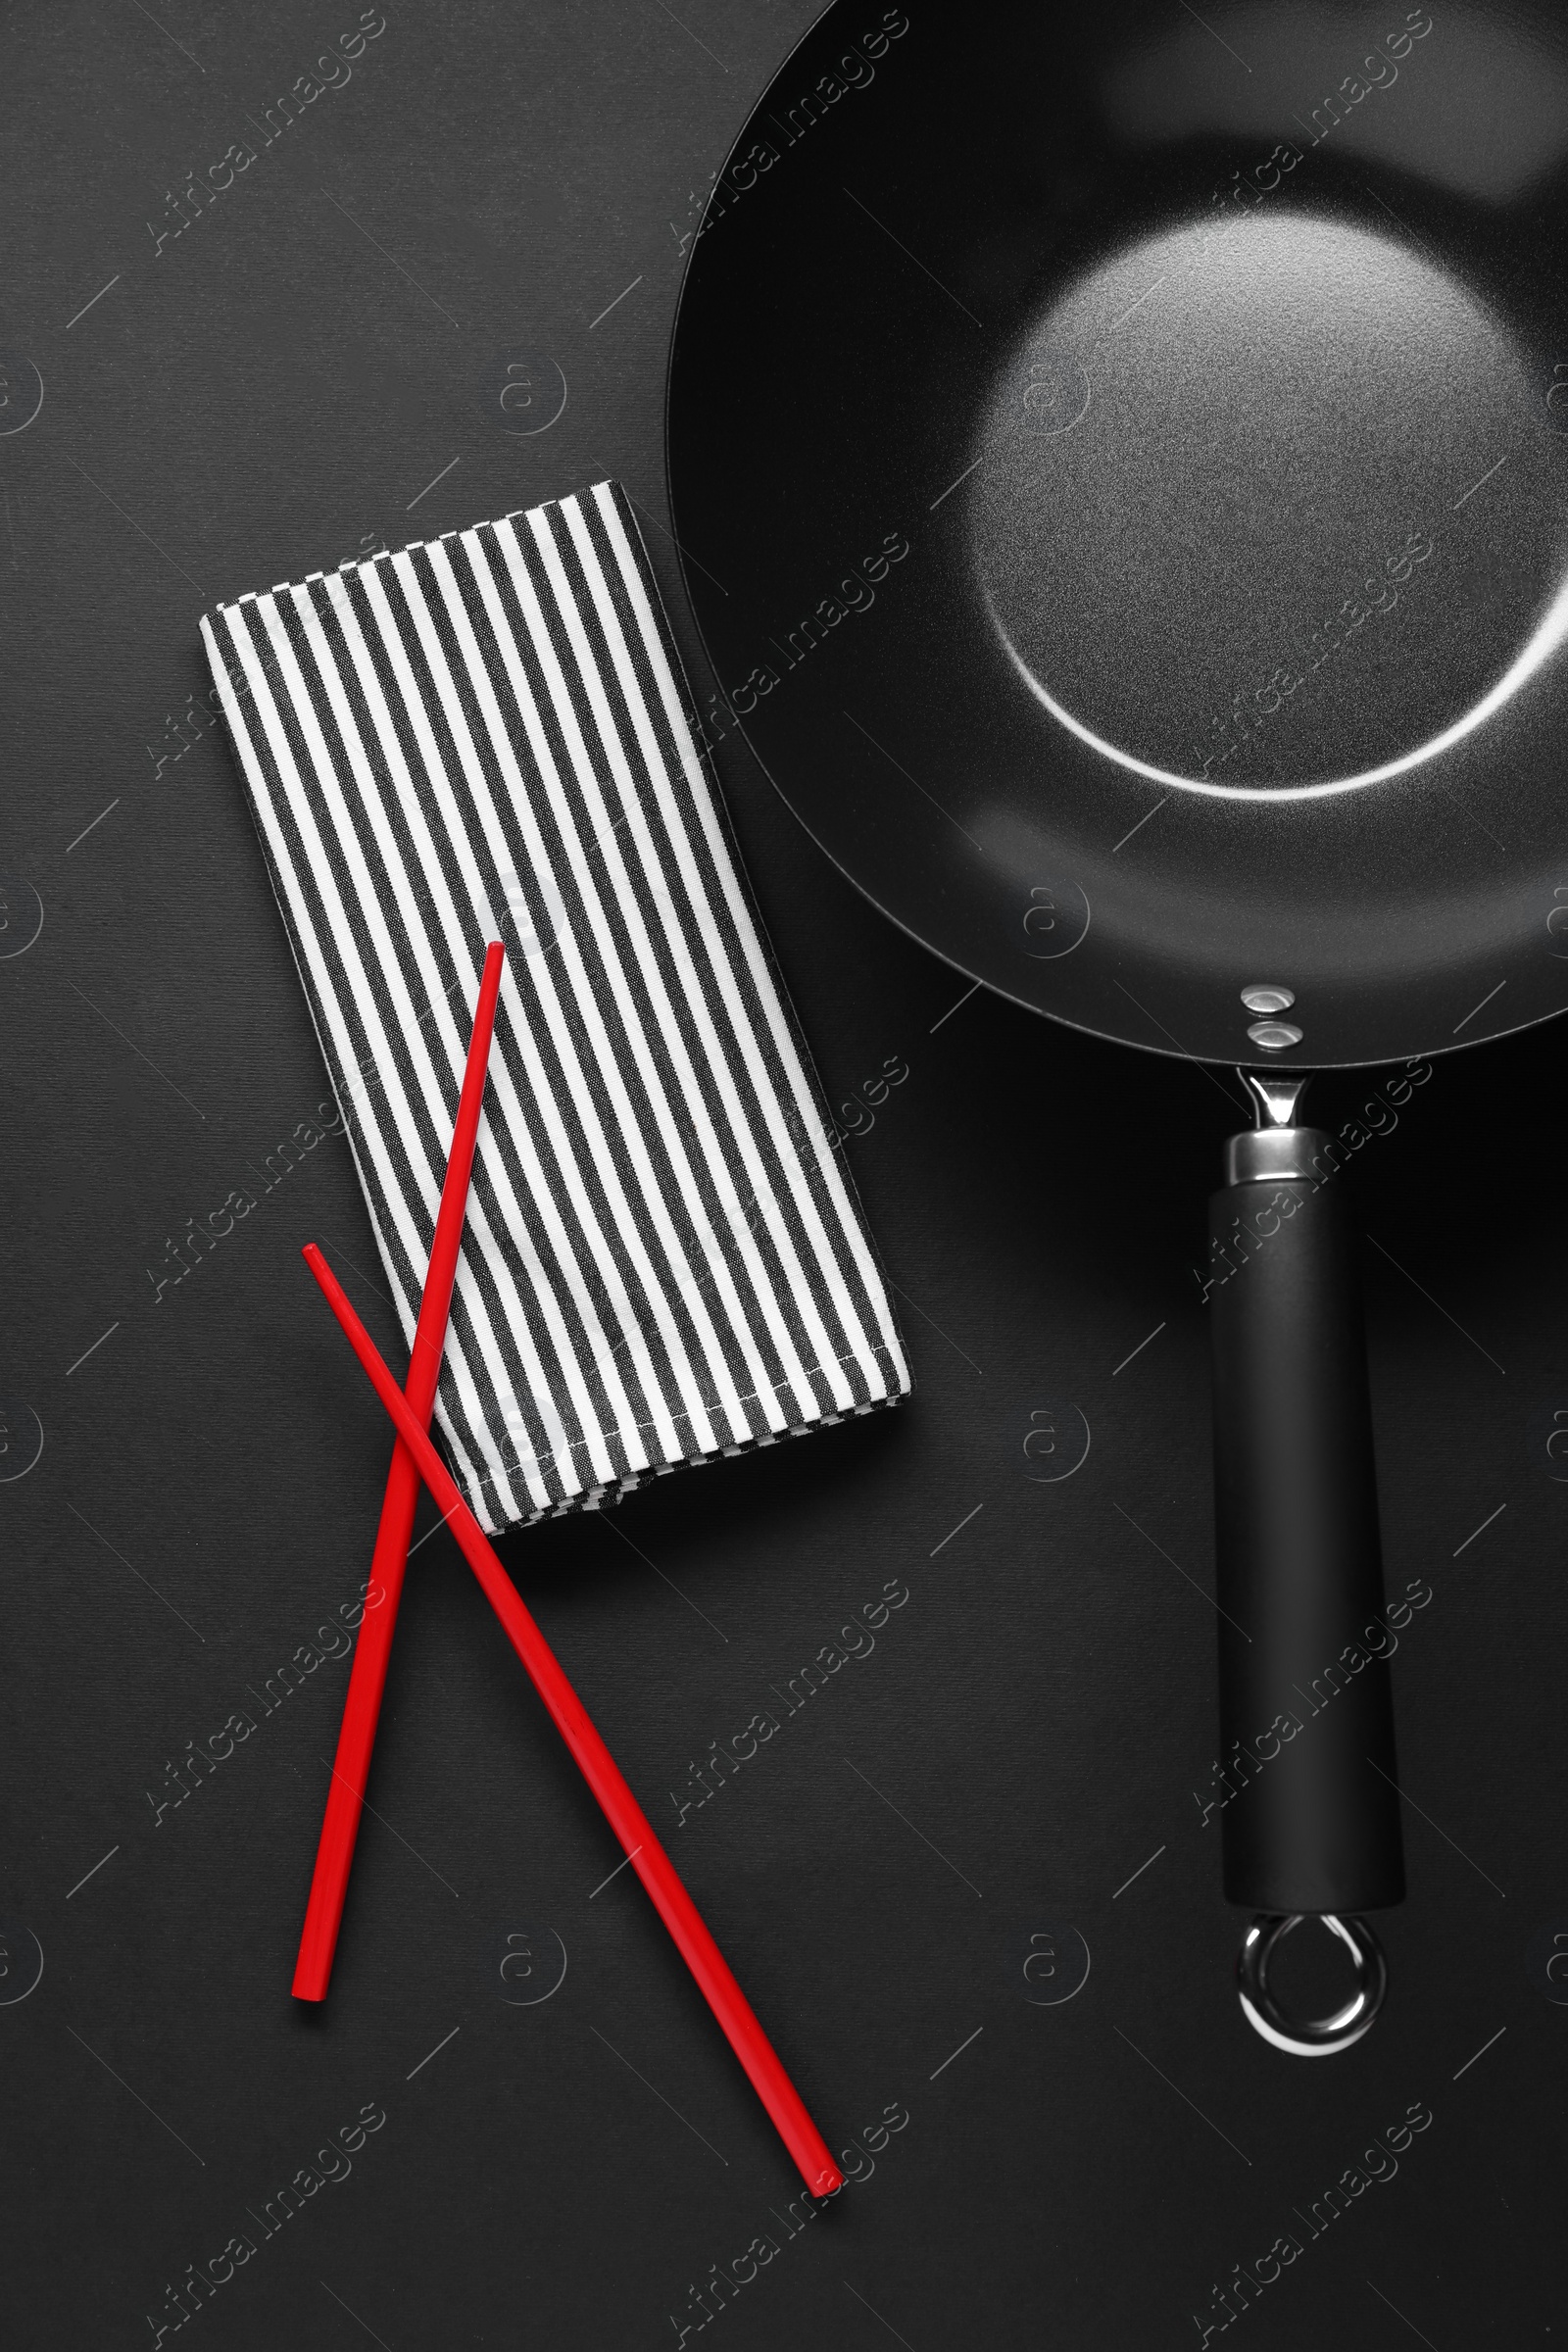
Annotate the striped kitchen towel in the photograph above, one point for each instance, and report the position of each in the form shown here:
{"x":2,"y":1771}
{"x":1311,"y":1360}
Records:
{"x":489,"y":736}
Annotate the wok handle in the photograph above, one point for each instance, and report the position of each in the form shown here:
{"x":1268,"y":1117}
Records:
{"x":1305,"y":1777}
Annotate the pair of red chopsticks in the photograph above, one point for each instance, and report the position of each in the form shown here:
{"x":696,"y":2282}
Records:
{"x":414,"y":1460}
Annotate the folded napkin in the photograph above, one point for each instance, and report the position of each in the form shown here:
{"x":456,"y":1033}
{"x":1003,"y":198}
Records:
{"x":489,"y":736}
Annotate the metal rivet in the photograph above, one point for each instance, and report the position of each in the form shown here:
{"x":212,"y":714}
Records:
{"x":1275,"y":1036}
{"x":1268,"y":999}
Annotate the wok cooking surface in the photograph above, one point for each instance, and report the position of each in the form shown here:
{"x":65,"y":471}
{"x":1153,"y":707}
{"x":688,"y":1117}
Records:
{"x":1122,"y":485}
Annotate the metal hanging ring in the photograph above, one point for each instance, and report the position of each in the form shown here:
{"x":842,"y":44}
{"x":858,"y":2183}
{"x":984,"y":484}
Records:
{"x":1311,"y":2037}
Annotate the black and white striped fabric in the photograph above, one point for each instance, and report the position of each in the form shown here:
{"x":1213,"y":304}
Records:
{"x":488,"y":736}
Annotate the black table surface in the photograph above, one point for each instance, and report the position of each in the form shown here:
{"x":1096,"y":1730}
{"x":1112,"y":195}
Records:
{"x":909,"y":1878}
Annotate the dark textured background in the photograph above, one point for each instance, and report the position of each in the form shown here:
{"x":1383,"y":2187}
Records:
{"x":266,"y":394}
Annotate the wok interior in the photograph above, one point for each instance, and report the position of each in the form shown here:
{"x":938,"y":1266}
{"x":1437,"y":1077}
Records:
{"x":1228,"y":446}
{"x":1223,"y":422}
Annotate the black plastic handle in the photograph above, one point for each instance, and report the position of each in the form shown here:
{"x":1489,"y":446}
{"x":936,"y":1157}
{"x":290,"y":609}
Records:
{"x":1307,"y":1774}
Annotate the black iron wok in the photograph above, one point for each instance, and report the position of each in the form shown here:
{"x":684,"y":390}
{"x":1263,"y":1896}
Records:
{"x":1118,"y":458}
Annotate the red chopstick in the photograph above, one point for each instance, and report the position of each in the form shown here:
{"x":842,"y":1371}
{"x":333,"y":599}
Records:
{"x":598,"y":1767}
{"x":362,"y":1708}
